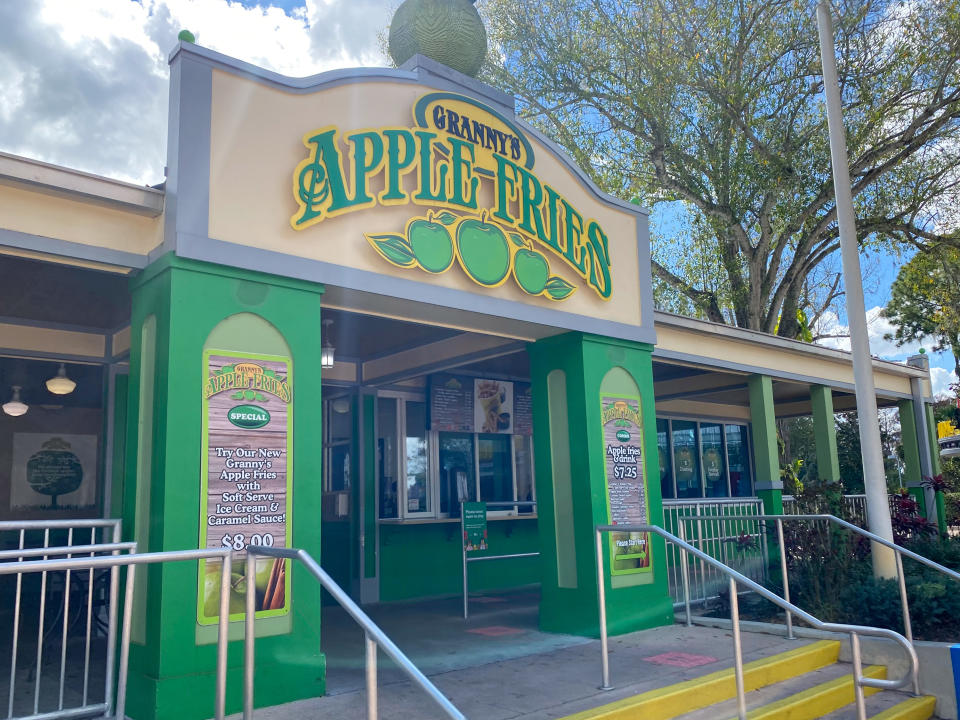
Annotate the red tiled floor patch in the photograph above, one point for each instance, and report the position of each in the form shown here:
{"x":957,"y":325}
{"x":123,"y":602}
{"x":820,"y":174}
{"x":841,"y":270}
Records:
{"x":496,"y":631}
{"x":680,"y":659}
{"x":487,"y":599}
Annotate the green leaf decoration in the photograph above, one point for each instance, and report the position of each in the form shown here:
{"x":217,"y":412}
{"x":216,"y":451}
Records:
{"x":518,"y":240}
{"x":447,"y":218}
{"x":558,"y":288}
{"x":269,"y":373}
{"x":249,"y":394}
{"x":394,"y":248}
{"x":237,"y":395}
{"x":261,"y":397}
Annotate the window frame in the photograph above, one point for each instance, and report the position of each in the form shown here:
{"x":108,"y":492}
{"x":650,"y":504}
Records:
{"x":722,"y":422}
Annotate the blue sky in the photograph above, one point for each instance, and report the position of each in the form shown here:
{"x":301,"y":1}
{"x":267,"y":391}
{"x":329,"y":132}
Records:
{"x":84,"y":83}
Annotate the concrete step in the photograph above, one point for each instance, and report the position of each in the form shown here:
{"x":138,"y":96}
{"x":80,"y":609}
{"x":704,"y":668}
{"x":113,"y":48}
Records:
{"x":890,"y":705}
{"x":771,"y":693}
{"x":817,"y":701}
{"x":707,"y":690}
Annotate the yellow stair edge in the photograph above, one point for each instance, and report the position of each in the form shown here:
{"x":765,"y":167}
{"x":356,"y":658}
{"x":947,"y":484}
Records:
{"x":915,"y":708}
{"x":819,"y":700}
{"x":673,"y":700}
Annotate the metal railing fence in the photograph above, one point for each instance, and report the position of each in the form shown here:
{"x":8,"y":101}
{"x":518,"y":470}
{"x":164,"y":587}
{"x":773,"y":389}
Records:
{"x":724,"y":530}
{"x":373,"y":637}
{"x":80,"y":601}
{"x":899,"y":553}
{"x":736,"y":579}
{"x":854,"y":505}
{"x":48,"y":564}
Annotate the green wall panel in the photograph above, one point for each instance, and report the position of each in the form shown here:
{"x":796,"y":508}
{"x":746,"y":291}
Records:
{"x":171,"y":672}
{"x":425,"y":559}
{"x":585,"y":361}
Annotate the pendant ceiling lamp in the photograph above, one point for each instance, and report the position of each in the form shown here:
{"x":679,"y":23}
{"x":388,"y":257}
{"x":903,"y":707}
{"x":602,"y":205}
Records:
{"x":326,"y":351}
{"x":60,"y":384}
{"x":15,"y":407}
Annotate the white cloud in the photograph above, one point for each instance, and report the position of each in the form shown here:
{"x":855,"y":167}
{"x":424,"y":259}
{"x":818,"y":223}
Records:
{"x":877,"y":327}
{"x":941,"y":379}
{"x":84,"y":84}
{"x":940,"y":376}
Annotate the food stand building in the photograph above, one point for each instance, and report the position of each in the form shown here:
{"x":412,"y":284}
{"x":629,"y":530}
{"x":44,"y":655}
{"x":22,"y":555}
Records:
{"x":493,"y":334}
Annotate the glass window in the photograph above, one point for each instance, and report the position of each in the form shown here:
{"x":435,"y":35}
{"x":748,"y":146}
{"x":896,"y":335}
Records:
{"x":340,"y":468}
{"x":714,"y":464}
{"x":663,"y":451}
{"x":338,"y":429}
{"x":387,"y":458}
{"x":523,"y":453}
{"x":739,"y":458}
{"x":457,"y":471}
{"x":685,"y":459}
{"x":340,"y":423}
{"x":495,"y":465}
{"x":415,"y":444}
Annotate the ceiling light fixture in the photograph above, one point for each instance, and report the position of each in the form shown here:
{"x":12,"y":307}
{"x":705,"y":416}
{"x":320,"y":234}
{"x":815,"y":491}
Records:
{"x":15,"y":408}
{"x":326,"y":350}
{"x":60,"y":384}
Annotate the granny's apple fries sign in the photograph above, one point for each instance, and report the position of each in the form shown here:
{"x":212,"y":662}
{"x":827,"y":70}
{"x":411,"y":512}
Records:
{"x":459,"y":151}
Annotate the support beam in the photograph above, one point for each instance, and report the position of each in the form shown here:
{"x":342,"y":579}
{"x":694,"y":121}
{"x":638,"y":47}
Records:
{"x":825,"y":433}
{"x":768,"y":485}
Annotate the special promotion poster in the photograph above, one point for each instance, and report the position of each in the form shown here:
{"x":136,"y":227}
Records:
{"x":626,"y":483}
{"x":246,"y":479}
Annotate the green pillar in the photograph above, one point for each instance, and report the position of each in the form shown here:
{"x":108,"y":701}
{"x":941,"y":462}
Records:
{"x":937,"y":468}
{"x":825,"y":433}
{"x":913,"y":472}
{"x":178,"y":308}
{"x":570,"y":373}
{"x":768,"y":485}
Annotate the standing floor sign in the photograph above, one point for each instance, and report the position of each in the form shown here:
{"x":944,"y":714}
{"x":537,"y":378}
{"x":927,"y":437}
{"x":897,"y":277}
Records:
{"x":626,"y":483}
{"x":245,"y":480}
{"x":474,"y":526}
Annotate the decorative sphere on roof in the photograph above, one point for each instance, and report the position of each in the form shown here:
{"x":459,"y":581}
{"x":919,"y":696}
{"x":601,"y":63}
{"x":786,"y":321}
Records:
{"x":448,"y":31}
{"x":186,"y":36}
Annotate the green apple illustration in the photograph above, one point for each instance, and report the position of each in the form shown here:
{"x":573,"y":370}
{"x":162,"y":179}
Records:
{"x":483,"y":251}
{"x":531,"y":271}
{"x":211,"y":591}
{"x":431,"y":244}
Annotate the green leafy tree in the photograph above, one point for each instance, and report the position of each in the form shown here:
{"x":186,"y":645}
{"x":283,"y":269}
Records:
{"x":925,"y":301}
{"x":712,"y":111}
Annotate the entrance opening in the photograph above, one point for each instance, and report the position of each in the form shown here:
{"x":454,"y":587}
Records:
{"x":419,"y":419}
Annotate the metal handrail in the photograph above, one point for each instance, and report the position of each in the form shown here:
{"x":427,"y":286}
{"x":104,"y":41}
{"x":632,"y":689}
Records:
{"x":373,"y":636}
{"x":114,"y":563}
{"x":899,"y":552}
{"x":737,"y":578}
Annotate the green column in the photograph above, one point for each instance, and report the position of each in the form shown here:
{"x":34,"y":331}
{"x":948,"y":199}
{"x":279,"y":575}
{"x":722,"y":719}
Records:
{"x":825,"y":433}
{"x":768,"y":485}
{"x":937,"y":468}
{"x":913,"y":473}
{"x":178,"y":307}
{"x":569,"y":373}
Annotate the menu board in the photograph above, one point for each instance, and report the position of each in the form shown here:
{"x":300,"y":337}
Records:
{"x":626,"y":483}
{"x":522,"y":409}
{"x":451,"y":403}
{"x":459,"y":403}
{"x":245,"y":479}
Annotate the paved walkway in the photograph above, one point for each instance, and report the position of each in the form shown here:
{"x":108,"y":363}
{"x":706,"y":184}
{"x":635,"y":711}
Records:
{"x":498,"y":666}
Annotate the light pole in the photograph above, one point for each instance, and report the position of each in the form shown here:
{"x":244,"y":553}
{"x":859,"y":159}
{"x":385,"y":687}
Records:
{"x":874,"y":478}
